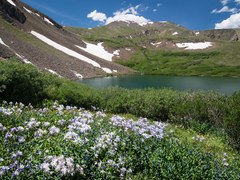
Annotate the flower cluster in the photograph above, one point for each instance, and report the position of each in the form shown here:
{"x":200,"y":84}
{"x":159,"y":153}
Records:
{"x":60,"y":164}
{"x":142,"y":126}
{"x":60,"y":142}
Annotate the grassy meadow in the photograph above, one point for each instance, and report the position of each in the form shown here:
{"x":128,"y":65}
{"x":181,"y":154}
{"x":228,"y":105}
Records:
{"x":221,"y":60}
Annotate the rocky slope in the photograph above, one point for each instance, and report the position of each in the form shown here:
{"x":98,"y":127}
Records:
{"x":119,"y":47}
{"x":37,"y":39}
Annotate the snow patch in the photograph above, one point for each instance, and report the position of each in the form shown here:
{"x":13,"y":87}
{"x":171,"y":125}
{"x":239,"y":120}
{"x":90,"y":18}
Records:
{"x":156,"y":44}
{"x":194,"y":46}
{"x":53,"y":72}
{"x":11,"y":2}
{"x":175,"y":33}
{"x":128,"y":49}
{"x":97,"y":50}
{"x":1,"y":42}
{"x":107,"y":70}
{"x":77,"y":74}
{"x":37,"y":14}
{"x":64,"y":49}
{"x":197,"y":33}
{"x":115,"y":71}
{"x":24,"y":59}
{"x":116,"y":53}
{"x":48,"y":21}
{"x":30,"y":12}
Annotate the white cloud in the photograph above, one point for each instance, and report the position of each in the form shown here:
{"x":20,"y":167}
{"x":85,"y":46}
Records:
{"x":154,"y":10}
{"x":224,"y":2}
{"x":127,"y":15}
{"x":97,"y":16}
{"x":225,"y":9}
{"x":159,"y":4}
{"x":232,"y":22}
{"x":237,"y":1}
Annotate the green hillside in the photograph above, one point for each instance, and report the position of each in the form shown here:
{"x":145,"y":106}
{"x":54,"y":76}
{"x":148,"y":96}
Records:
{"x":222,"y":59}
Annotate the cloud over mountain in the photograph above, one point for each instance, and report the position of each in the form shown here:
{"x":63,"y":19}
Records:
{"x":128,"y":15}
{"x":232,"y":22}
{"x":97,"y":16}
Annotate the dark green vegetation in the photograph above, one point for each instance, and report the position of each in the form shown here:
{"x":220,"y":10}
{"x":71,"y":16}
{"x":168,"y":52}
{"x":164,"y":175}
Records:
{"x":202,"y":111}
{"x":181,"y":63}
{"x":52,"y":141}
{"x":223,"y":59}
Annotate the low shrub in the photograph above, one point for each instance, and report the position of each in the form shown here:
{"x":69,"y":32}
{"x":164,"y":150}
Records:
{"x":24,"y":83}
{"x":232,"y":119}
{"x":202,"y":111}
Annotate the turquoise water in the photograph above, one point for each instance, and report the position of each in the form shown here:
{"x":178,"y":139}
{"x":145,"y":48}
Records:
{"x":226,"y":85}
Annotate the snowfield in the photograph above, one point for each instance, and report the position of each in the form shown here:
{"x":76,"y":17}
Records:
{"x":97,"y":50}
{"x":194,"y":46}
{"x":11,"y":2}
{"x":116,"y":53}
{"x":30,"y":12}
{"x":53,"y":72}
{"x":1,"y":42}
{"x":24,"y":59}
{"x":64,"y":49}
{"x":107,"y":70}
{"x":48,"y":21}
{"x":77,"y":74}
{"x":175,"y":33}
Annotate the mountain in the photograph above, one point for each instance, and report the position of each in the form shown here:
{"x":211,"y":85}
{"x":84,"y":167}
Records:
{"x":37,"y":39}
{"x":167,"y":48}
{"x":117,"y":48}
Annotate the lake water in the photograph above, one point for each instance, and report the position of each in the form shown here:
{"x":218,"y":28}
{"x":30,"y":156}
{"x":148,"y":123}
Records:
{"x":226,"y":85}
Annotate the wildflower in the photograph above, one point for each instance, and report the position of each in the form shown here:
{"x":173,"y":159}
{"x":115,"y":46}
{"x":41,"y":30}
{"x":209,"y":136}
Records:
{"x":19,"y":153}
{"x":20,"y":129}
{"x":45,"y":167}
{"x":8,"y":135}
{"x":46,"y":124}
{"x":15,"y":173}
{"x":72,"y":136}
{"x":32,"y":123}
{"x":2,"y":128}
{"x":40,"y":133}
{"x":122,"y":171}
{"x":61,"y":122}
{"x":21,"y":139}
{"x":59,"y":164}
{"x":53,"y":130}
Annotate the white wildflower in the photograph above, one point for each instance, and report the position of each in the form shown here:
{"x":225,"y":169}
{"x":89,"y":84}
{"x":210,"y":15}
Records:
{"x":53,"y":130}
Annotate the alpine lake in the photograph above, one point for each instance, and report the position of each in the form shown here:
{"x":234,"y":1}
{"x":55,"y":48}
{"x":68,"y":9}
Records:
{"x":224,"y":85}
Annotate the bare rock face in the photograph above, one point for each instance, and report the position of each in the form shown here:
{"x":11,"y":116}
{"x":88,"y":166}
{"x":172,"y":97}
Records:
{"x":221,"y":34}
{"x":5,"y":52}
{"x":10,"y":12}
{"x":235,"y":38}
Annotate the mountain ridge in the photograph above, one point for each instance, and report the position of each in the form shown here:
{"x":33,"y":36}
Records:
{"x":21,"y":42}
{"x":117,"y":48}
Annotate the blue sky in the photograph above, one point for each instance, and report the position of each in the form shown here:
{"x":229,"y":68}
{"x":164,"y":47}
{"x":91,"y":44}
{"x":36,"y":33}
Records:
{"x":192,"y":14}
